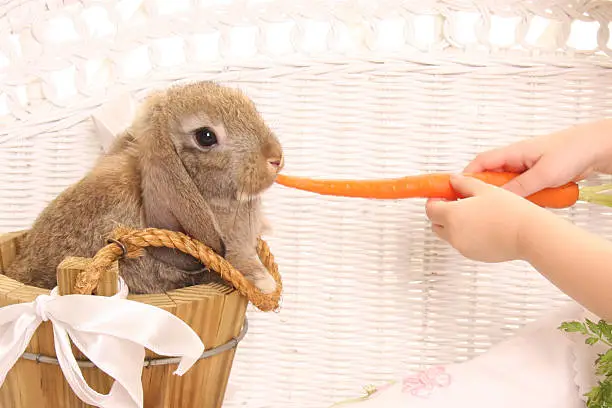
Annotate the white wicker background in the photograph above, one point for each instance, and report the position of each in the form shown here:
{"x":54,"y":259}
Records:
{"x":353,"y":89}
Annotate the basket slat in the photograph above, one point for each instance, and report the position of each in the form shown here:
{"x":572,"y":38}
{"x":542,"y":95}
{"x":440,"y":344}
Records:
{"x":206,"y":315}
{"x":69,"y":268}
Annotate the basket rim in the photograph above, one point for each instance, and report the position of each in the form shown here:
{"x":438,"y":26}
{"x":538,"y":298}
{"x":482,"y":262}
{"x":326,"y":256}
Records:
{"x":14,"y":292}
{"x":129,"y":242}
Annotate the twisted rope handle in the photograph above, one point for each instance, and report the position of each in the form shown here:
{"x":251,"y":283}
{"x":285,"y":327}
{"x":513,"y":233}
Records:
{"x":131,"y":243}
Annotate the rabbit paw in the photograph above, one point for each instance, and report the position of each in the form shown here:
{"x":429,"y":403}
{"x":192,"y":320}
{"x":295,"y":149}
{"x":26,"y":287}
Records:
{"x":266,"y":283}
{"x":256,"y":273}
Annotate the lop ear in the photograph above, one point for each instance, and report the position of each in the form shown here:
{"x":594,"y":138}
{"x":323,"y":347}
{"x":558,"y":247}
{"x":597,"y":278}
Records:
{"x":170,"y":198}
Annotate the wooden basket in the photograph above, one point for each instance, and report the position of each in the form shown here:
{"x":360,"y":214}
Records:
{"x":214,"y":311}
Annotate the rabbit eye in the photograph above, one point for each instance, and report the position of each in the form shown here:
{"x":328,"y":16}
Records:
{"x":205,"y":137}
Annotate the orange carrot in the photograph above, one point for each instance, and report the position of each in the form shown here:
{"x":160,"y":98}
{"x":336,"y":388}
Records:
{"x":434,"y":185}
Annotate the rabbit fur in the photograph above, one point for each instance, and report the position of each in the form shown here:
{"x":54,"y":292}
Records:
{"x":162,"y":173}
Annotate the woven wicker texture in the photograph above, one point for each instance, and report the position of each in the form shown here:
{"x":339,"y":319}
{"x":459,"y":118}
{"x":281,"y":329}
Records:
{"x":353,"y":89}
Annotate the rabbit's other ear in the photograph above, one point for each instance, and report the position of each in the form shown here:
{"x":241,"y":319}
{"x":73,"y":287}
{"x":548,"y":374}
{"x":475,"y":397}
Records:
{"x":170,"y":199}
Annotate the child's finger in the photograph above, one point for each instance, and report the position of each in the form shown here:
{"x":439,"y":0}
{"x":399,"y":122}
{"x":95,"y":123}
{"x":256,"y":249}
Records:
{"x":506,"y":158}
{"x":488,"y":161}
{"x":468,"y":186}
{"x":529,"y":182}
{"x":436,"y":211}
{"x":440,"y":231}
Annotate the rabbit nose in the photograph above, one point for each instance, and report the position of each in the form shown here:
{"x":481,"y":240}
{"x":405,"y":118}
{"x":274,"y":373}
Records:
{"x":276,"y":163}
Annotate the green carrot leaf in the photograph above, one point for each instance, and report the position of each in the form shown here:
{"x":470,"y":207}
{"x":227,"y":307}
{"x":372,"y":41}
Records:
{"x":594,"y":397}
{"x":593,"y":327}
{"x":606,"y":330}
{"x":604,"y":364}
{"x":591,"y":340}
{"x":606,"y":393}
{"x":600,"y":396}
{"x":573,"y":327}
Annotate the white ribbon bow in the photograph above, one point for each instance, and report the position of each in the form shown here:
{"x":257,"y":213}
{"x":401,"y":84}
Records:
{"x":111,"y":331}
{"x":113,"y":117}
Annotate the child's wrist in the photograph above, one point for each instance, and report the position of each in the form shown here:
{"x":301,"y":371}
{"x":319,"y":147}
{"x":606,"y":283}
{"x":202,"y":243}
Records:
{"x":533,"y":219}
{"x":602,"y":133}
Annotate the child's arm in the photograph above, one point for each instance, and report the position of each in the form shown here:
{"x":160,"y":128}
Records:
{"x":495,"y":225}
{"x":576,"y":261}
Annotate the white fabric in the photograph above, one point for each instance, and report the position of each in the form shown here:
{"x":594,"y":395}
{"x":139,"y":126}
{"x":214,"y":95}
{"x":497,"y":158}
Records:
{"x":539,"y":367}
{"x":111,"y":331}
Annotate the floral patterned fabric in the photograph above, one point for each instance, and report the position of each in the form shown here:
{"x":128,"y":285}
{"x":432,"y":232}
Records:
{"x":540,"y":367}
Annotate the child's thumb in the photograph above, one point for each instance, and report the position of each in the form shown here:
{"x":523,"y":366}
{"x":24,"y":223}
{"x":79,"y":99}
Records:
{"x":466,"y":186}
{"x":527,"y":183}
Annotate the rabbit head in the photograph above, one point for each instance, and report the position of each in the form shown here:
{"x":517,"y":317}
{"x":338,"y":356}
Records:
{"x":221,"y":140}
{"x":199,"y":143}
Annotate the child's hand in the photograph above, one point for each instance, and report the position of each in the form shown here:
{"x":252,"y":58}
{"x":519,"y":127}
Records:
{"x":485,"y":225}
{"x":551,"y":160}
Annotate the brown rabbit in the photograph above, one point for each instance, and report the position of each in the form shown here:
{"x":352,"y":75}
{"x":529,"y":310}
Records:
{"x":195,"y":160}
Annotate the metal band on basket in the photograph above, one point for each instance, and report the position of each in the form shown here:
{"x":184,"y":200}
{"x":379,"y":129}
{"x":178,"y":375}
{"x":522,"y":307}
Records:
{"x":148,"y":362}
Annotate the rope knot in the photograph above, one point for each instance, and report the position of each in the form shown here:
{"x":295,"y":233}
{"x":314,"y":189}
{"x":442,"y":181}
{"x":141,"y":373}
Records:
{"x":40,"y":303}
